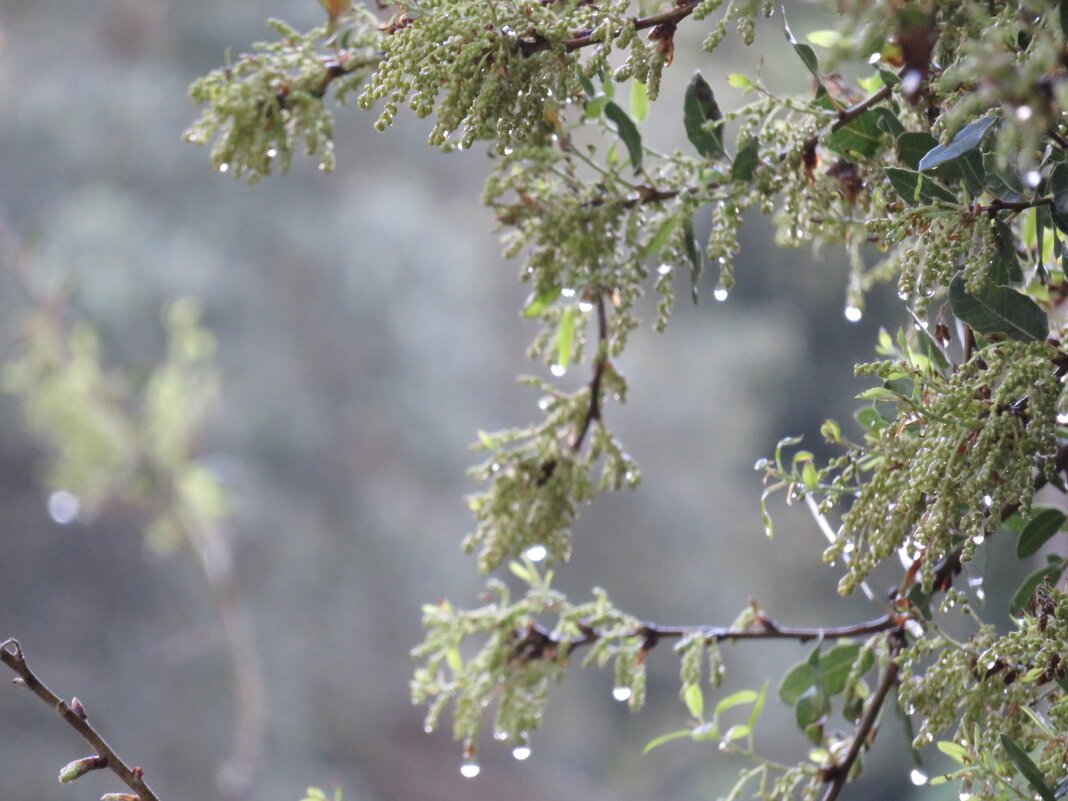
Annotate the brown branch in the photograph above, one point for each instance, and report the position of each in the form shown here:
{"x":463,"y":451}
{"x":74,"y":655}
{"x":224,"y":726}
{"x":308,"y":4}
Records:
{"x":838,"y":775}
{"x":12,"y":656}
{"x":593,"y":411}
{"x":671,"y":17}
{"x":847,"y":115}
{"x":997,"y":204}
{"x":536,"y":641}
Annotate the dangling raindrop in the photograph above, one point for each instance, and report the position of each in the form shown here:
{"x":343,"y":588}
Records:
{"x":585,"y":306}
{"x":558,"y":370}
{"x":224,"y":167}
{"x":853,"y":313}
{"x":521,"y":752}
{"x":535,"y":553}
{"x":663,"y":269}
{"x":918,"y":777}
{"x":470,"y":769}
{"x":63,"y":507}
{"x":720,"y":293}
{"x":567,"y":292}
{"x":621,"y":693}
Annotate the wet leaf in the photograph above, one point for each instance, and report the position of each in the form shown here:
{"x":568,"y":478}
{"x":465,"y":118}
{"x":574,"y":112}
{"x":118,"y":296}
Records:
{"x":1027,"y":768}
{"x":746,"y":160}
{"x":1044,"y":523}
{"x":968,"y":138}
{"x":565,"y":336}
{"x":1058,"y":186}
{"x":998,"y":310}
{"x":628,"y":132}
{"x":916,"y":188}
{"x":699,"y":109}
{"x":1050,"y":574}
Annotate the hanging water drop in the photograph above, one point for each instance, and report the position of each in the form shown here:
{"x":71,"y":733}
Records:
{"x":1023,"y":113}
{"x":720,"y":294}
{"x":1033,"y":178}
{"x":585,"y":306}
{"x":521,"y":752}
{"x":663,"y":269}
{"x":853,"y":313}
{"x":621,"y":693}
{"x":63,"y":507}
{"x":558,"y":370}
{"x":567,"y":292}
{"x":271,"y":153}
{"x":914,"y":628}
{"x":535,"y":553}
{"x":470,"y":769}
{"x":917,"y":777}
{"x":224,"y":167}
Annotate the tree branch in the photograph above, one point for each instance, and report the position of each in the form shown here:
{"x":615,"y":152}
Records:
{"x":12,"y":656}
{"x":670,"y":17}
{"x":593,"y":411}
{"x":847,"y":115}
{"x":839,"y":773}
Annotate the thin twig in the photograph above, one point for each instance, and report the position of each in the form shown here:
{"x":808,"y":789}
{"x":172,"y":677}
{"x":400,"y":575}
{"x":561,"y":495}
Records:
{"x":593,"y":411}
{"x":12,"y":656}
{"x":671,"y":17}
{"x":839,"y":774}
{"x":847,"y":115}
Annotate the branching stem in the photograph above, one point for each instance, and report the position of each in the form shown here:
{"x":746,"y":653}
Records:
{"x":593,"y":410}
{"x":12,"y":656}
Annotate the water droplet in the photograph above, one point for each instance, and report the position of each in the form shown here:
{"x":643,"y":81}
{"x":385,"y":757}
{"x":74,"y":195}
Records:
{"x":506,"y":151}
{"x":979,"y":539}
{"x":521,"y":752}
{"x":558,"y":370}
{"x":917,"y":777}
{"x":875,"y":57}
{"x":849,"y":547}
{"x":543,"y":404}
{"x":585,"y":306}
{"x":63,"y":507}
{"x":271,"y":153}
{"x":428,"y":729}
{"x":322,"y":166}
{"x":663,"y":269}
{"x":965,"y":796}
{"x":853,"y":314}
{"x":470,"y":769}
{"x":224,"y":167}
{"x":720,"y":294}
{"x":500,"y":735}
{"x":914,"y":628}
{"x":567,"y":292}
{"x":987,"y":501}
{"x":1033,"y":178}
{"x":980,"y":594}
{"x":903,"y":295}
{"x":1023,"y":113}
{"x":535,"y":553}
{"x":724,"y":746}
{"x":621,"y":693}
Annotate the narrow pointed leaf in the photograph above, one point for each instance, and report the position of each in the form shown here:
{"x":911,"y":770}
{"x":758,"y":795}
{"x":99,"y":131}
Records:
{"x":1028,"y":768}
{"x":700,"y":109}
{"x":968,"y":138}
{"x":639,"y":101}
{"x":565,"y":335}
{"x":1050,"y":574}
{"x":1043,"y":525}
{"x":916,"y":188}
{"x":1005,"y":264}
{"x":804,"y":51}
{"x":746,"y":160}
{"x":1058,"y":185}
{"x":628,"y":132}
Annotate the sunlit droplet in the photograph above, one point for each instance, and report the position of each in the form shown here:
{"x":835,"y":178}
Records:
{"x":585,"y":306}
{"x":1023,"y":113}
{"x":271,"y":153}
{"x":470,"y":769}
{"x":558,"y":370}
{"x":664,"y":269}
{"x":428,"y":729}
{"x":521,"y":752}
{"x":567,"y":292}
{"x":917,"y":777}
{"x":720,"y":294}
{"x":853,"y":314}
{"x":914,"y":628}
{"x":965,"y":796}
{"x":979,"y":539}
{"x":224,"y":167}
{"x":1033,"y":178}
{"x":875,"y":58}
{"x":63,"y":507}
{"x":621,"y":693}
{"x":535,"y":553}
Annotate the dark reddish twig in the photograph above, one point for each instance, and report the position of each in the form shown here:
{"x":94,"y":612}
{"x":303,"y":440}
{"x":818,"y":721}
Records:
{"x":593,"y":411}
{"x":12,"y":656}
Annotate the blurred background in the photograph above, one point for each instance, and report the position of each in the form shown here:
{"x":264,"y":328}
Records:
{"x":366,"y":328}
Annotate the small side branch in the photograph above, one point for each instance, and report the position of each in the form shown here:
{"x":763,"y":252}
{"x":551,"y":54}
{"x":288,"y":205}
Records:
{"x":847,"y":115}
{"x":838,"y":775}
{"x":12,"y":656}
{"x":593,"y":411}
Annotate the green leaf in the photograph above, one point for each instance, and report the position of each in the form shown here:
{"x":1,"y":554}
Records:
{"x":699,"y":109}
{"x":1005,"y":264}
{"x":917,"y":189}
{"x":804,"y":51}
{"x":765,"y":516}
{"x":809,"y":476}
{"x":537,"y":303}
{"x":1058,"y":185}
{"x":639,"y":100}
{"x":1050,"y":574}
{"x":656,"y":244}
{"x":878,"y":393}
{"x":968,"y":138}
{"x":694,"y":700}
{"x":1002,"y":183}
{"x":1028,"y":768}
{"x":739,"y":81}
{"x":746,"y":160}
{"x":565,"y":336}
{"x":811,"y":708}
{"x":737,"y":732}
{"x":825,"y":38}
{"x":912,"y":146}
{"x":837,"y":663}
{"x":758,"y":706}
{"x":1044,"y":523}
{"x":998,"y":310}
{"x":736,"y":699}
{"x":664,"y":738}
{"x":693,"y":254}
{"x":628,"y":132}
{"x":796,"y":683}
{"x":860,"y":138}
{"x":954,"y":751}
